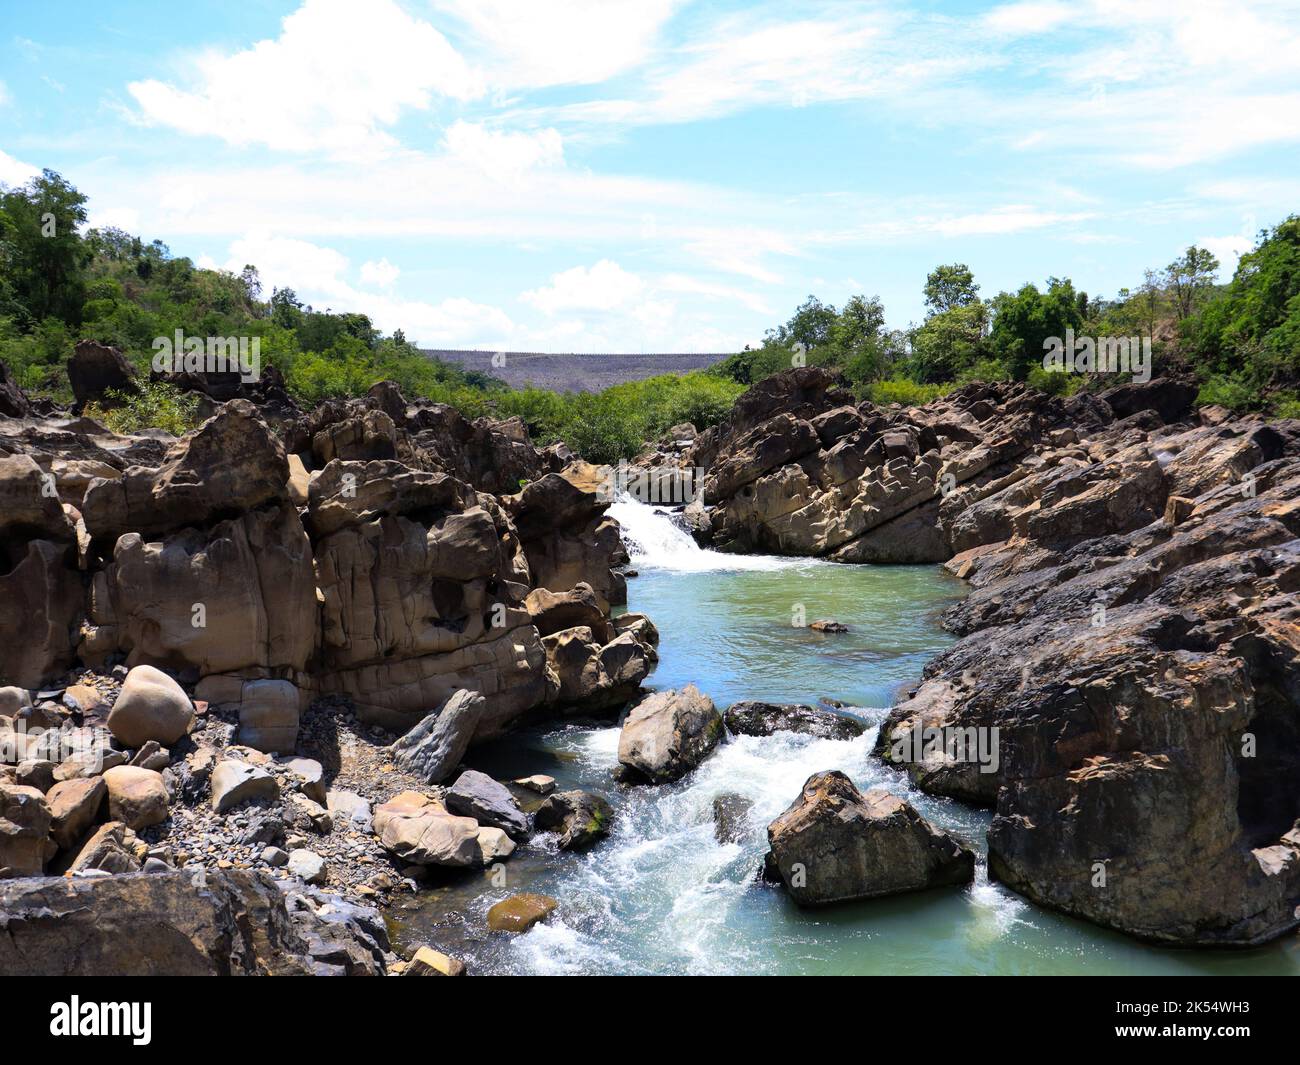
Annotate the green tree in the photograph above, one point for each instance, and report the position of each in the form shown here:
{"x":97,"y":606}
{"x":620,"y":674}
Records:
{"x":1189,"y":278}
{"x":949,"y":287}
{"x":42,"y":254}
{"x":1022,"y":323}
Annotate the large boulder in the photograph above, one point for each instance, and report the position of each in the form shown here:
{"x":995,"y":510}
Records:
{"x":668,"y":734}
{"x":13,"y":402}
{"x":95,"y":370}
{"x":74,"y":807}
{"x":268,"y":716}
{"x":434,"y":748}
{"x":150,"y":706}
{"x":420,"y":831}
{"x":835,"y":844}
{"x":231,"y":464}
{"x":477,"y":795}
{"x":235,"y":782}
{"x":137,"y":797}
{"x":176,"y":924}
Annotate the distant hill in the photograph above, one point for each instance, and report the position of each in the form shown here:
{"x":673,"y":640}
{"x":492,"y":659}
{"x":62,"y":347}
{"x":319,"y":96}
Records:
{"x":574,"y":372}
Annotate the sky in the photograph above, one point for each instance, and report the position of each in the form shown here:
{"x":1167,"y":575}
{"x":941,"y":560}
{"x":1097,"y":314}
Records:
{"x":659,"y":175}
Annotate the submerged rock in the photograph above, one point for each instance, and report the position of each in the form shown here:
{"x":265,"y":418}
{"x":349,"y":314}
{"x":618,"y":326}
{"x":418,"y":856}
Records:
{"x":835,"y":844}
{"x":731,"y":817}
{"x":520,"y":912}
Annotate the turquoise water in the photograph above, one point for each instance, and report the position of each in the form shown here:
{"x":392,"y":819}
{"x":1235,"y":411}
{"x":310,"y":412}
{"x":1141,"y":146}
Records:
{"x":661,"y":895}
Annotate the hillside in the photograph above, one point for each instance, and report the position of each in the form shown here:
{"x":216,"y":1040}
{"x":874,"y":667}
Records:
{"x":573,"y":372}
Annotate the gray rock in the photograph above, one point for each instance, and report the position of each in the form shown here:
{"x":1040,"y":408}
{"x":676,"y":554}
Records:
{"x":275,"y":857}
{"x":478,"y":796}
{"x":434,"y":747}
{"x":234,"y":782}
{"x":731,"y":817}
{"x":835,"y":844}
{"x":348,"y":806}
{"x":307,"y":865}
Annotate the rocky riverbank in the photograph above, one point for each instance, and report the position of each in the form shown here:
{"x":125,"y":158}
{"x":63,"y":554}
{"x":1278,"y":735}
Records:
{"x":246,"y":668}
{"x":1130,"y":647}
{"x":260,"y":652}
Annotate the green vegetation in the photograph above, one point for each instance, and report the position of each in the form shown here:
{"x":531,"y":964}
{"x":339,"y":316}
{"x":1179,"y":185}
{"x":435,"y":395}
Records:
{"x":59,"y":284}
{"x":156,"y":406}
{"x":1241,"y":340}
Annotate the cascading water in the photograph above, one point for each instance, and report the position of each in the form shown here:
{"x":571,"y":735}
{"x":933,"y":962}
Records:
{"x":662,"y":894}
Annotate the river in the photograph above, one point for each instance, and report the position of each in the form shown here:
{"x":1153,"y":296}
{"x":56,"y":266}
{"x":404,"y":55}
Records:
{"x":661,"y":895}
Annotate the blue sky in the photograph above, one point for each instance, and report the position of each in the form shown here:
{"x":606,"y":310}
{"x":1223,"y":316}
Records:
{"x":659,"y":175}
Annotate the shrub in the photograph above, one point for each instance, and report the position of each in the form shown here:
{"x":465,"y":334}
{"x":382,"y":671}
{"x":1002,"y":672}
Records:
{"x":155,"y":406}
{"x":905,"y":391}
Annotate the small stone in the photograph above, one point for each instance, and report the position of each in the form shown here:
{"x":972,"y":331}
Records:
{"x":307,"y":865}
{"x":275,"y":857}
{"x":538,"y":782}
{"x":825,"y":625}
{"x":309,"y":776}
{"x":428,"y":962}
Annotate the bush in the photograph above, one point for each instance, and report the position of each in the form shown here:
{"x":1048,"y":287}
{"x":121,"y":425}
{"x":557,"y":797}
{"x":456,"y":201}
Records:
{"x":905,"y":391}
{"x":156,"y":406}
{"x":1231,"y":392}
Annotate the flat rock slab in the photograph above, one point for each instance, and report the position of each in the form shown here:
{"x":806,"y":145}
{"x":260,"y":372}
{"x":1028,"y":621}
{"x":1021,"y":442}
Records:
{"x":520,"y":912}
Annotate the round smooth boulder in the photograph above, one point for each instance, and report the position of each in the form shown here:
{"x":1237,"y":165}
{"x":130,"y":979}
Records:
{"x":151,"y":706}
{"x":137,"y":797}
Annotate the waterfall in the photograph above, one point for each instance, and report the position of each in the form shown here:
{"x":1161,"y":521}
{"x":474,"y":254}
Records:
{"x":654,"y":541}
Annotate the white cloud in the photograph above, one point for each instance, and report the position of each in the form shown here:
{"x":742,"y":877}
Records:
{"x":502,"y":153}
{"x":562,"y":42}
{"x":14,"y":172}
{"x":603,"y":287}
{"x":1025,"y":18}
{"x":381,"y":273}
{"x":338,"y":73}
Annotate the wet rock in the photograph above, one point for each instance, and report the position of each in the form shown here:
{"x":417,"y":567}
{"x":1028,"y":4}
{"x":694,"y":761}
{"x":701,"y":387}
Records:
{"x":827,"y":626}
{"x":668,"y":734}
{"x":581,"y":818}
{"x":763,"y":719}
{"x":520,"y":912}
{"x":731,"y":817}
{"x":835,"y":844}
{"x":151,"y":706}
{"x":538,"y":782}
